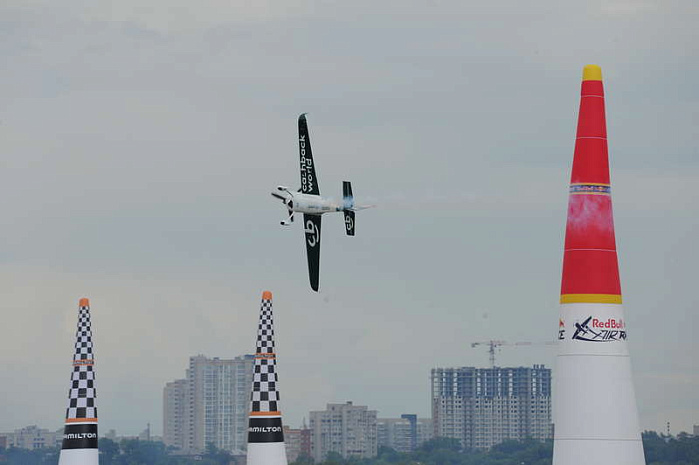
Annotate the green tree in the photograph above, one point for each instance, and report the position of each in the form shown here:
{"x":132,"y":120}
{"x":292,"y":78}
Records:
{"x":303,"y":460}
{"x":333,"y":458}
{"x":441,"y":444}
{"x":135,"y":452}
{"x":45,"y":456}
{"x":659,"y":450}
{"x":108,"y":451}
{"x":216,"y":456}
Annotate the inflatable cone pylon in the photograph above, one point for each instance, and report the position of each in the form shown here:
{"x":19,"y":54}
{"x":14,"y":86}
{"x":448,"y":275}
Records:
{"x":79,"y":445}
{"x":265,"y":431}
{"x":595,"y":417}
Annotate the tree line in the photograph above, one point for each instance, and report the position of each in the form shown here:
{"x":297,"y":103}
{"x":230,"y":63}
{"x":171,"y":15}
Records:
{"x":660,"y":449}
{"x":125,"y":452}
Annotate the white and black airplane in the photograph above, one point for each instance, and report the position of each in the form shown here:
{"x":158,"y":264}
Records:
{"x":307,"y":200}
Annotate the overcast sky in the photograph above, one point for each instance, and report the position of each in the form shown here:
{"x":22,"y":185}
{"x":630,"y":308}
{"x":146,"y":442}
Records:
{"x":139,"y":142}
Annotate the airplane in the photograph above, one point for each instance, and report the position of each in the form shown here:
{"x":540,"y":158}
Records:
{"x":307,"y":200}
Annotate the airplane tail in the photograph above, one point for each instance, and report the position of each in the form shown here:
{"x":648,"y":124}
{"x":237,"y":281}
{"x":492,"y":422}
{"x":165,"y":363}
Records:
{"x":347,"y":197}
{"x":349,"y":207}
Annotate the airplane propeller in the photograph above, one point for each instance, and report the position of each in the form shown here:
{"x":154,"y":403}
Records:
{"x":288,"y":201}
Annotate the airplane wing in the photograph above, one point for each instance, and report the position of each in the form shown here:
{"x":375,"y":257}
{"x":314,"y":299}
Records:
{"x":309,"y":182}
{"x":311,"y":225}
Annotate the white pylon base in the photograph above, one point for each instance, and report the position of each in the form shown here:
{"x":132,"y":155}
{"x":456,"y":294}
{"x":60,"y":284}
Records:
{"x":595,"y":417}
{"x":79,"y":457}
{"x":271,"y":453}
{"x":610,"y":452}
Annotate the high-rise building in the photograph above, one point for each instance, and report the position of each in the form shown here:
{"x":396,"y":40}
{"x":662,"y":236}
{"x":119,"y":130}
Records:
{"x":175,"y":413}
{"x":425,"y":430}
{"x":403,"y":434}
{"x":485,"y":406}
{"x":209,"y":406}
{"x":349,"y":430}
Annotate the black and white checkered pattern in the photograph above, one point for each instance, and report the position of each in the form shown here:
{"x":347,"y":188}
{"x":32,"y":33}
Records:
{"x":83,"y":336}
{"x":82,"y":394}
{"x":265,"y":330}
{"x":265,"y":397}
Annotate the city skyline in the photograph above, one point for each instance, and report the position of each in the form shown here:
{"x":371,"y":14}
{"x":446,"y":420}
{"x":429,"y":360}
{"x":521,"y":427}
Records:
{"x":177,"y":393}
{"x":139,"y":146}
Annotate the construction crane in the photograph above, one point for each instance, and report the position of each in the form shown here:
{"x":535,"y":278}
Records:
{"x":492,"y":345}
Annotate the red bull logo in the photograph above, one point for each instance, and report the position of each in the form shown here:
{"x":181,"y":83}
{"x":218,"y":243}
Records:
{"x":611,"y":323}
{"x":596,"y":330}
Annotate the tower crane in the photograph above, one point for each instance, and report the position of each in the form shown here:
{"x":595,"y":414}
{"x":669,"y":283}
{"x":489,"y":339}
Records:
{"x":492,"y":345}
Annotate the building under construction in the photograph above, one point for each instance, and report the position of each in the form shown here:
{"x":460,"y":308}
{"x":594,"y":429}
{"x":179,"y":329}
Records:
{"x":486,"y":406}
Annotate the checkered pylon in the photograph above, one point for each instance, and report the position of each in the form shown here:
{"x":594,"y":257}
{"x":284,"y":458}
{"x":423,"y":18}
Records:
{"x":82,"y":394}
{"x":265,"y":397}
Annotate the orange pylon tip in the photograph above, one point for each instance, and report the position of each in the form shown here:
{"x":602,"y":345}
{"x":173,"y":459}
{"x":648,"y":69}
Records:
{"x":592,"y":73}
{"x":84,"y":302}
{"x":267,"y":295}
